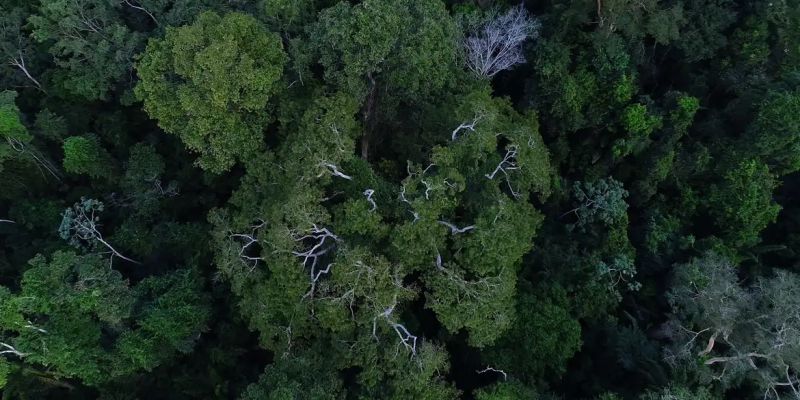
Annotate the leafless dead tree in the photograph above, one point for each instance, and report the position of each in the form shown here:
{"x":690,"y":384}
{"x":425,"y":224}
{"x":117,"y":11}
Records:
{"x":497,"y":44}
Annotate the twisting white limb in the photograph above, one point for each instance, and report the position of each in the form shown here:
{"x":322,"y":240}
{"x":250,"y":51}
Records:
{"x":403,"y":195}
{"x":405,"y":200}
{"x":406,"y":338}
{"x":508,"y":163}
{"x":315,"y":275}
{"x":9,"y":349}
{"x":427,"y":189}
{"x":170,"y":191}
{"x":456,"y":230}
{"x":30,"y":325}
{"x":141,"y":8}
{"x":321,"y":246}
{"x":334,"y":170}
{"x":288,"y":332}
{"x":466,"y":125}
{"x":497,"y":45}
{"x":490,"y":369}
{"x":19,"y":62}
{"x":90,"y":232}
{"x":369,"y":193}
{"x":249,"y":240}
{"x":41,"y":163}
{"x":475,"y":290}
{"x":8,"y":221}
{"x":439,"y":264}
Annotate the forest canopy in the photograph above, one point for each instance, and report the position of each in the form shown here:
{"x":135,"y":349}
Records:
{"x":400,"y":199}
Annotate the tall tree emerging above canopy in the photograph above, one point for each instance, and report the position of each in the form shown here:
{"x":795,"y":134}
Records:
{"x":320,"y":248}
{"x":210,"y":83}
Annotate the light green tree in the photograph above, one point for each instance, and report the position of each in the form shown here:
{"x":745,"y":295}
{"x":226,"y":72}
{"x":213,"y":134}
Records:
{"x":74,"y":317}
{"x":210,"y":83}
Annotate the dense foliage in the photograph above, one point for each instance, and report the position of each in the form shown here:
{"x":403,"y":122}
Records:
{"x":400,"y":199}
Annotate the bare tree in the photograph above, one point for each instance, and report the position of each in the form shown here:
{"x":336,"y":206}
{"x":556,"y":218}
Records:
{"x":497,"y":44}
{"x":38,"y":159}
{"x":80,"y":224}
{"x":135,"y":5}
{"x":14,"y":43}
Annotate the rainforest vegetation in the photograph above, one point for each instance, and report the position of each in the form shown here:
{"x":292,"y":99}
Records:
{"x":400,"y":199}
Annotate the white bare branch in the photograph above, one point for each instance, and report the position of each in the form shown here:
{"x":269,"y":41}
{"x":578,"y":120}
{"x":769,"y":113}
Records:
{"x":466,"y":125}
{"x":406,"y":338}
{"x":7,"y":221}
{"x":334,"y":170}
{"x":87,"y":228}
{"x":30,"y":325}
{"x":497,"y":45}
{"x":320,"y":246}
{"x":139,"y":7}
{"x":490,"y":369}
{"x":439,"y":264}
{"x":9,"y":349}
{"x":249,"y":239}
{"x":508,"y":163}
{"x":456,"y":230}
{"x":369,"y":193}
{"x":19,"y":62}
{"x":40,"y":161}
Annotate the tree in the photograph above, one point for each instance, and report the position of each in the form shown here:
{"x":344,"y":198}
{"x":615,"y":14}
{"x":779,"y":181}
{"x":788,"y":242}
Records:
{"x":497,"y":44}
{"x":80,"y":227}
{"x":74,"y":317}
{"x":210,"y":83}
{"x":90,"y":44}
{"x":742,"y":204}
{"x":314,"y":231}
{"x":406,"y":47}
{"x":678,"y":393}
{"x":19,"y":155}
{"x":725,"y":332}
{"x":600,"y":201}
{"x":384,"y":53}
{"x":544,"y":337}
{"x":506,"y":390}
{"x":85,"y":155}
{"x":776,"y":132}
{"x":16,"y":47}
